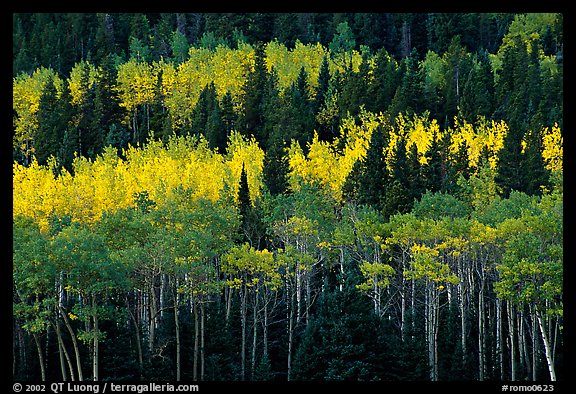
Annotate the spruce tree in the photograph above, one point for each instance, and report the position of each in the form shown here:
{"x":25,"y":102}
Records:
{"x":53,"y":116}
{"x":509,"y":171}
{"x":374,"y":175}
{"x":254,"y":88}
{"x":535,"y":173}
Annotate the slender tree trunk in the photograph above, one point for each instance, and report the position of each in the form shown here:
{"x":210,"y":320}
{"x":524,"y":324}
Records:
{"x":481,"y":334}
{"x":499,"y":338}
{"x":512,"y":341}
{"x":229,"y":303}
{"x":176,"y":328}
{"x":40,"y":356}
{"x":402,"y":303}
{"x":254,"y":334}
{"x":152,"y":321}
{"x":95,"y":354}
{"x":202,"y":347}
{"x":265,"y":329}
{"x":463,"y":314}
{"x":63,"y":352}
{"x":547,"y":349}
{"x":534,"y":344}
{"x":196,"y":341}
{"x":524,"y":341}
{"x":74,"y":342}
{"x":243,"y":318}
{"x":290,"y":324}
{"x":138,"y":340}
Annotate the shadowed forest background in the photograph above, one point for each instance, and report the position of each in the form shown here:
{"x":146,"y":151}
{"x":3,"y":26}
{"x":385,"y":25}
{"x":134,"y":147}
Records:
{"x":288,"y":197}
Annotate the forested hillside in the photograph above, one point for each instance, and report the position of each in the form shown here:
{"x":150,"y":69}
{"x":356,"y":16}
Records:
{"x":288,"y":197}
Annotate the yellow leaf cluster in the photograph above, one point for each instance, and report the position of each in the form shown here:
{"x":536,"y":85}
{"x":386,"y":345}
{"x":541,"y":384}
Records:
{"x":108,"y":183}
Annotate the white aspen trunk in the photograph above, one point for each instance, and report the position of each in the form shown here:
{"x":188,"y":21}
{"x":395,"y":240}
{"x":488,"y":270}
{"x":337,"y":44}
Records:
{"x":290,"y":328}
{"x":499,"y":339}
{"x":202,"y":314}
{"x":534,"y":344}
{"x":138,"y":340}
{"x":40,"y":357}
{"x":63,"y":351}
{"x":481,"y":349}
{"x":402,"y":308}
{"x":162,"y":303}
{"x":254,"y":335}
{"x":229,"y":303}
{"x":95,"y":353}
{"x":512,"y":341}
{"x":176,"y":328}
{"x":435,"y":321}
{"x":298,"y":295}
{"x":547,"y":349}
{"x":527,"y":358}
{"x":243,"y":318}
{"x":196,"y":342}
{"x":74,"y":342}
{"x":341,"y":285}
{"x":463,"y":315}
{"x":265,"y":330}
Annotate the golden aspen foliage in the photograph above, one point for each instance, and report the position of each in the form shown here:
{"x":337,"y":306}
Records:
{"x":481,"y":134}
{"x":108,"y":183}
{"x":325,"y":163}
{"x":553,"y":152}
{"x":289,"y":62}
{"x":33,"y":189}
{"x":82,"y":72}
{"x":242,"y":151}
{"x":26,"y":93}
{"x":136,"y":83}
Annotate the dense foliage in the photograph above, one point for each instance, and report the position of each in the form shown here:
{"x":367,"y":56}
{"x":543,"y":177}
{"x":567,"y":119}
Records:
{"x":288,"y":197}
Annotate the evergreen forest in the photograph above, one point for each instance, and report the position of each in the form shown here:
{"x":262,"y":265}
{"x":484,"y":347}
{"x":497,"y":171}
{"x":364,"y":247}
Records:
{"x":287,"y":197}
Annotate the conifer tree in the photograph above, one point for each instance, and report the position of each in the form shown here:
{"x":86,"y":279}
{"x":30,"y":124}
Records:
{"x":374,"y":177}
{"x":509,"y":171}
{"x":254,"y":88}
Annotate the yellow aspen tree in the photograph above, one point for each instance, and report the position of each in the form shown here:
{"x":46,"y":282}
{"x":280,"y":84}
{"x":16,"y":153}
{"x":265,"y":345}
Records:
{"x":136,"y":88}
{"x":553,"y":152}
{"x":26,"y":93}
{"x":244,"y":152}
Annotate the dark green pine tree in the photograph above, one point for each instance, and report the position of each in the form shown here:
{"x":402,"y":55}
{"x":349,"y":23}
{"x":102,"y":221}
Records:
{"x":434,"y":170}
{"x":417,"y":184}
{"x":251,"y":225}
{"x":207,"y":119}
{"x":227,"y":114}
{"x":534,"y":82}
{"x":355,"y":92}
{"x":299,"y":115}
{"x":203,"y":107}
{"x":409,"y":94}
{"x":478,"y":91}
{"x":322,"y":88}
{"x":351,"y":186}
{"x":279,"y":121}
{"x":460,"y":164}
{"x":458,"y":66}
{"x":397,"y":197}
{"x":535,"y":174}
{"x":509,"y":171}
{"x":512,"y":89}
{"x":253,"y":101}
{"x":215,"y":130}
{"x":384,"y":82}
{"x":346,"y":341}
{"x":374,"y":176}
{"x":53,"y":118}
